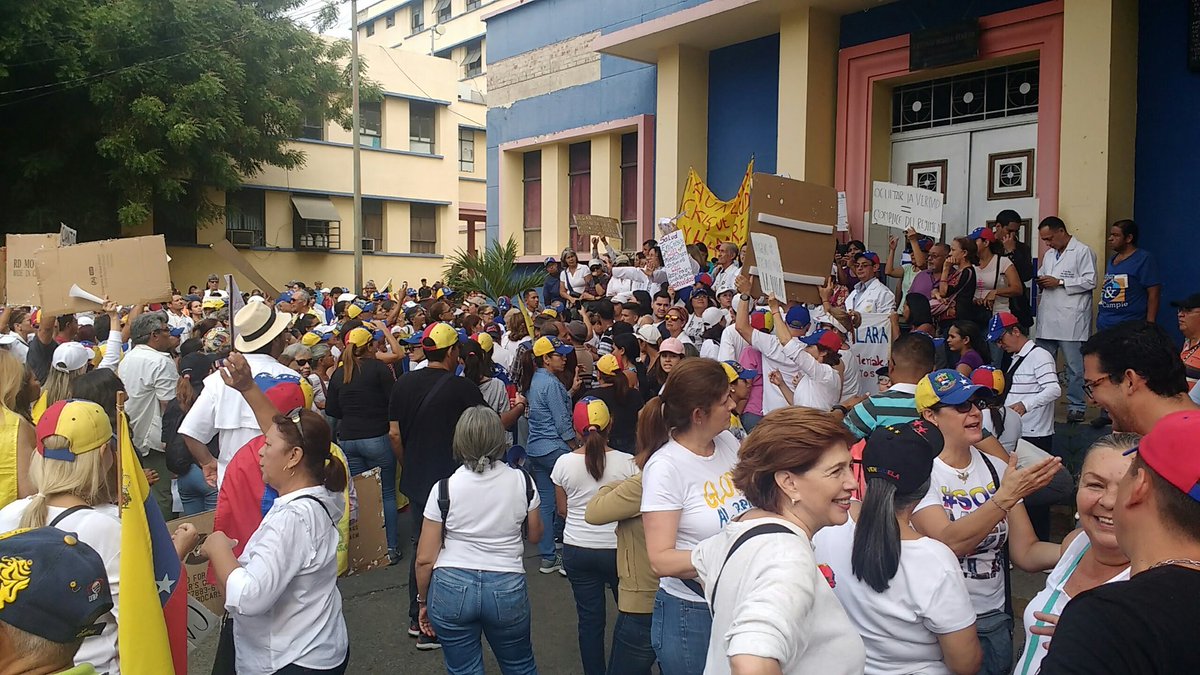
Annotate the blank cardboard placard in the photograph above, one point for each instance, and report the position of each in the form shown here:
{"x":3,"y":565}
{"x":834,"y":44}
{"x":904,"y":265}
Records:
{"x":368,"y":539}
{"x":20,"y":268}
{"x":597,"y":226}
{"x":803,"y":217}
{"x":129,"y":271}
{"x":234,"y":257}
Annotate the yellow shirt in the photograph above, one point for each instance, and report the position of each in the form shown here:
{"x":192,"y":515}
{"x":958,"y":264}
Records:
{"x":10,"y":422}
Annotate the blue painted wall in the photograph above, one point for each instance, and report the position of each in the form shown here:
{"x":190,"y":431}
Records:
{"x":901,"y":18}
{"x":743,"y":112}
{"x":1168,"y":151}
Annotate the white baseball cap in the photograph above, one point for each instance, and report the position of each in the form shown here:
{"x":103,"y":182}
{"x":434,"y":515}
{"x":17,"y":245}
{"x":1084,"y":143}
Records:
{"x":71,"y":356}
{"x":712,"y":316}
{"x":648,"y":333}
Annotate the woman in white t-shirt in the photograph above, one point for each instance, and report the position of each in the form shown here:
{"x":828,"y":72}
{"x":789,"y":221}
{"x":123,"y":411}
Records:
{"x":1090,"y":555}
{"x":996,"y":278}
{"x":74,"y":456}
{"x":590,"y":551}
{"x":773,"y":607}
{"x":971,"y":510}
{"x":575,"y":280}
{"x":687,"y":456}
{"x":469,"y":570}
{"x":904,"y":592}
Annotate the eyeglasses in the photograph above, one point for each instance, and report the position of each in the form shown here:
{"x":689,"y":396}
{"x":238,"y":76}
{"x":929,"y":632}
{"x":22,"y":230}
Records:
{"x":1090,"y":385}
{"x":303,"y":362}
{"x":965,"y":407}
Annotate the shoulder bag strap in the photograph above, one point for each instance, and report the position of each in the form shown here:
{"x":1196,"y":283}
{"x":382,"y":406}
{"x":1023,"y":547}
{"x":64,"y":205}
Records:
{"x":765,"y":528}
{"x":320,"y":504}
{"x":1008,"y":608}
{"x":433,"y":390}
{"x":1008,"y":380}
{"x":443,"y":501}
{"x":62,"y":516}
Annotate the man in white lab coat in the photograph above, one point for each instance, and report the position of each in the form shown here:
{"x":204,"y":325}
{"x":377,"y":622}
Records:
{"x":1064,"y":318}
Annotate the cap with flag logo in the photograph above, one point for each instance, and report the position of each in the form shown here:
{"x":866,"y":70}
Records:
{"x":591,"y":414}
{"x":869,"y":255}
{"x":762,"y":320}
{"x":52,"y":585}
{"x":313,"y":338}
{"x":829,"y":339}
{"x":704,"y":278}
{"x":984,"y":233}
{"x":83,"y":424}
{"x":1170,"y":449}
{"x":1000,"y":324}
{"x":546,"y":345}
{"x":737,"y":371}
{"x":945,"y":386}
{"x":360,"y":337}
{"x":990,"y":377}
{"x":439,"y":336}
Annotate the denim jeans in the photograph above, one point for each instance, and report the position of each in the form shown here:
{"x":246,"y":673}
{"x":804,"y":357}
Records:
{"x":750,"y":420}
{"x":364,"y":454}
{"x":1073,"y":358}
{"x":591,"y":571}
{"x":995,"y":637}
{"x":679,"y":633}
{"x":631,"y":650}
{"x":540,"y":467}
{"x":195,"y":492}
{"x":464,"y":603}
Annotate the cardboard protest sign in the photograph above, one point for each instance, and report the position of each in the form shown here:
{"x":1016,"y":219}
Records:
{"x":770,"y":267}
{"x":20,"y":269}
{"x":676,"y":260}
{"x":196,"y":565}
{"x":802,"y":217}
{"x":234,"y":257}
{"x":902,"y":206}
{"x":870,"y":351}
{"x":368,"y":538}
{"x":130,"y":271}
{"x":201,"y":622}
{"x":597,"y":226}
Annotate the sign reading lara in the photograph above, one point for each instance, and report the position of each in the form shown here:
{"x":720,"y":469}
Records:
{"x":902,"y":206}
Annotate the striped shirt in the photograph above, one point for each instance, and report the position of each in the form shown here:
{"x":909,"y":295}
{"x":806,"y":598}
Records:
{"x":1034,"y":384}
{"x":897,"y":405}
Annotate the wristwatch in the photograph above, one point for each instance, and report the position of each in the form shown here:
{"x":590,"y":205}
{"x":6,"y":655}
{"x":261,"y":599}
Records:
{"x":745,"y":298}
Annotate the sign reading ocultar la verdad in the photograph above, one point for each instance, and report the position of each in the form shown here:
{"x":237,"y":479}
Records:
{"x":902,"y":206}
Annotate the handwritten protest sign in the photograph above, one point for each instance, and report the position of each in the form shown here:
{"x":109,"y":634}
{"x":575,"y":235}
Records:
{"x":870,"y":351}
{"x":770,"y":265}
{"x":597,"y":226}
{"x":676,"y":261}
{"x":901,"y":207}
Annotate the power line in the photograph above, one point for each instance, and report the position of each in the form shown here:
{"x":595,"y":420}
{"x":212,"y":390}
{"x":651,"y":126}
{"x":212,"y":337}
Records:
{"x":387,"y":52}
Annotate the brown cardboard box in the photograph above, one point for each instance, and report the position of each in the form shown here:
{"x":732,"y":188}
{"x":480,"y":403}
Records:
{"x":20,"y":269}
{"x":598,"y":226}
{"x":803,"y":217}
{"x":235,"y":258}
{"x":130,"y":271}
{"x":368,"y":538}
{"x":196,"y":566}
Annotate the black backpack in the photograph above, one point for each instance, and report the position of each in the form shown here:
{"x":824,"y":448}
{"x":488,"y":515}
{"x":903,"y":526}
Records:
{"x":443,"y":499}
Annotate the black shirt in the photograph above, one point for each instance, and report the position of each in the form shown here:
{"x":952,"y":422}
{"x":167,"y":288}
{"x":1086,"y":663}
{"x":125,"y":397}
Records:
{"x":361,"y":404}
{"x":624,"y":414}
{"x":1146,"y":625}
{"x":39,"y":356}
{"x":428,"y":430}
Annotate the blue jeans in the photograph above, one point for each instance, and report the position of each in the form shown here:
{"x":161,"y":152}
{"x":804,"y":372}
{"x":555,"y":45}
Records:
{"x":995,"y":630}
{"x":540,"y":467}
{"x":364,"y":454}
{"x":464,"y":603}
{"x":591,"y":571}
{"x":1073,"y":358}
{"x":750,"y":420}
{"x":679,"y":633}
{"x":195,"y":492}
{"x":631,"y":650}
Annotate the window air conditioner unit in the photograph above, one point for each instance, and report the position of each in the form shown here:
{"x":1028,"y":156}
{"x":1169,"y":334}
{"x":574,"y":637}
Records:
{"x":243,"y":238}
{"x":368,"y":245}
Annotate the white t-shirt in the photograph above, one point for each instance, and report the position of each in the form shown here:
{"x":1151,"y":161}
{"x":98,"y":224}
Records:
{"x":958,"y":497}
{"x":150,"y":378}
{"x":570,"y":473}
{"x":700,"y":488}
{"x":100,"y":528}
{"x":483,"y":525}
{"x":774,"y":602}
{"x":989,"y":279}
{"x":19,"y":346}
{"x":1012,"y":428}
{"x":900,"y":626}
{"x":575,"y":283}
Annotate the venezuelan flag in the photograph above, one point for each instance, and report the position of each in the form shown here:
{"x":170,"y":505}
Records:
{"x":152,"y":630}
{"x":525,"y":313}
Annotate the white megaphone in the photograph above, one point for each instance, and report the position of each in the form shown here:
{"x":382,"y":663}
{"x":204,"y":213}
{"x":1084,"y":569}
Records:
{"x":77,"y":292}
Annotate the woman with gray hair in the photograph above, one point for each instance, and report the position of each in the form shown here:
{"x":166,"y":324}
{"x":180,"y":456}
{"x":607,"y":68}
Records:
{"x":470,"y":575}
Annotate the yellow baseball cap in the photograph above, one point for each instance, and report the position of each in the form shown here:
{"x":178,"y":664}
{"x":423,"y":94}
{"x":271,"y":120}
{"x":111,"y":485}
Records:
{"x":439,"y":336}
{"x":608,"y":365}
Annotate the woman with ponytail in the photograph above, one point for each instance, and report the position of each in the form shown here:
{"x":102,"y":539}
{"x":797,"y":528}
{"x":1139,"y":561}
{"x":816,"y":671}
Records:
{"x":686,"y":454}
{"x":281,"y":592}
{"x":358,"y":395}
{"x":70,"y":470}
{"x":590,"y":551}
{"x":904,"y":592}
{"x":624,"y":402}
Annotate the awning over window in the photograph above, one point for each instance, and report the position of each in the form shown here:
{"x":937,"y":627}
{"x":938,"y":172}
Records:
{"x":474,"y":54}
{"x":441,"y":5}
{"x":316,"y":208}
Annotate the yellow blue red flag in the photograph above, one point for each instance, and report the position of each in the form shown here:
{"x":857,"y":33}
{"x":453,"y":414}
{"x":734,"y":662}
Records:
{"x":152,"y":631}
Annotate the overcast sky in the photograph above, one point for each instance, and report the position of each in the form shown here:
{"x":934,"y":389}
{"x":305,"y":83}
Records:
{"x":306,"y":13}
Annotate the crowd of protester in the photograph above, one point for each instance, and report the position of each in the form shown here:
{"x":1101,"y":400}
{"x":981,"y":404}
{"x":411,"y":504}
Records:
{"x":708,"y":459}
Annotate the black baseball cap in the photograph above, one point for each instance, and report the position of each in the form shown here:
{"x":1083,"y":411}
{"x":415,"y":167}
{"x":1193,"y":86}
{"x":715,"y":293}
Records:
{"x":55,"y":586}
{"x":903,"y":454}
{"x":1190,"y":302}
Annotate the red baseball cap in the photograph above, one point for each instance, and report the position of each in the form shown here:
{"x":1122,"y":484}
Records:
{"x":1170,"y":449}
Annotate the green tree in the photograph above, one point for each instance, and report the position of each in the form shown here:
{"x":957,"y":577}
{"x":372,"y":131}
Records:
{"x":494,"y":273}
{"x":116,"y":109}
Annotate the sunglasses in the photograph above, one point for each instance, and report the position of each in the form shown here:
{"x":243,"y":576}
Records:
{"x":294,"y":416}
{"x":303,"y":362}
{"x":965,"y":407}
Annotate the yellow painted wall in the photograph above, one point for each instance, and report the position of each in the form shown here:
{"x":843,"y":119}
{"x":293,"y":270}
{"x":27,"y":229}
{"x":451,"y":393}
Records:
{"x":555,"y":221}
{"x":511,"y":211}
{"x":808,"y":53}
{"x":681,"y":136}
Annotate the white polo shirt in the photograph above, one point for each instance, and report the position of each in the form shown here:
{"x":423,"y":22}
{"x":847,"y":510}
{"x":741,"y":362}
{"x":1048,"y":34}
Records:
{"x":150,"y":377}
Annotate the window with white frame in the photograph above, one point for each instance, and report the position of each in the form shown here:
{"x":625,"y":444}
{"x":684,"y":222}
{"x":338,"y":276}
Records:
{"x":466,"y":150}
{"x":421,"y":122}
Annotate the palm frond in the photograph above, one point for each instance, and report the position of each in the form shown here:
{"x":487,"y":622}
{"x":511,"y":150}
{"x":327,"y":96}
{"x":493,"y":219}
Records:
{"x":494,"y":273}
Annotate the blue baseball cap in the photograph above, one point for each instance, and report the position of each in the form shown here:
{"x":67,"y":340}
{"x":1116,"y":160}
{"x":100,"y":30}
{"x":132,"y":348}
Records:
{"x":999,"y":324}
{"x":56,"y":587}
{"x":830,"y":339}
{"x":737,"y":371}
{"x":177,"y":331}
{"x":798,"y":317}
{"x":551,"y":260}
{"x":945,"y":386}
{"x":285,"y":296}
{"x":412,"y":293}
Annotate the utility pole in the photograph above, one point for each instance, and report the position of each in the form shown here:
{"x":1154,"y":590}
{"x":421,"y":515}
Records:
{"x":357,"y":150}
